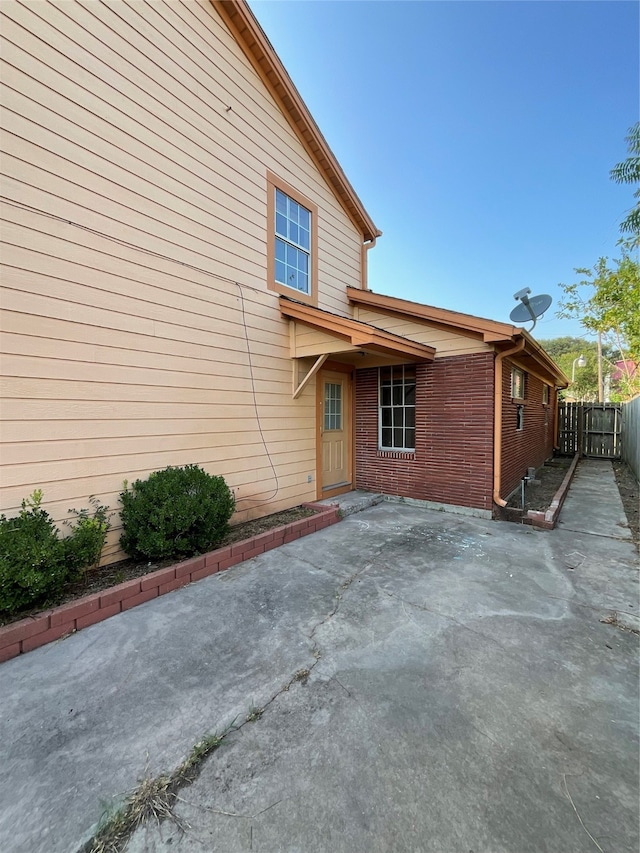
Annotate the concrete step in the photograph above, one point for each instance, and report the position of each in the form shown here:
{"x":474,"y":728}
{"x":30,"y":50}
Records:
{"x":354,"y":501}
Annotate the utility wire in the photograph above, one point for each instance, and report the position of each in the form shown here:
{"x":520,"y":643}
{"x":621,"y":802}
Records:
{"x":239,"y":285}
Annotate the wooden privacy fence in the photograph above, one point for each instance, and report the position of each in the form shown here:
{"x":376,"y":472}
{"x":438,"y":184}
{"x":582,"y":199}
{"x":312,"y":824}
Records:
{"x":593,"y":429}
{"x":631,"y":435}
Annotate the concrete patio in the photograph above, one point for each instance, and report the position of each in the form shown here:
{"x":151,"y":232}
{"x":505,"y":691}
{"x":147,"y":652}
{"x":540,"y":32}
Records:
{"x":430,"y":682}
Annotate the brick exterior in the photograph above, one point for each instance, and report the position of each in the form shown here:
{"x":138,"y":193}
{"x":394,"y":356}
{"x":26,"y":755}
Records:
{"x":529,"y":447}
{"x":453,"y":459}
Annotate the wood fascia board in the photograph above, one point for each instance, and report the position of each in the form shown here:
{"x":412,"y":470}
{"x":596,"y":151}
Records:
{"x":495,"y":337}
{"x":357,"y":333}
{"x":463,"y":323}
{"x":542,"y":357}
{"x":387,"y":348}
{"x":394,"y":344}
{"x":543,"y":365}
{"x":251,"y":38}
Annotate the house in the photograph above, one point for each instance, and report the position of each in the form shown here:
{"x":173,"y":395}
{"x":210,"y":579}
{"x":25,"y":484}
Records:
{"x":185,"y":280}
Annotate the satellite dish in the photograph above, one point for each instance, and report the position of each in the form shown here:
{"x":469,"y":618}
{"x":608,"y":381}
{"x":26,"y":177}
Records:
{"x":529,"y":309}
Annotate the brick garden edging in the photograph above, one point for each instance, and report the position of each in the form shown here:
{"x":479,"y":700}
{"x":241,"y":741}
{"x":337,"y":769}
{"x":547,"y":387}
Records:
{"x":547,"y":520}
{"x":35,"y":631}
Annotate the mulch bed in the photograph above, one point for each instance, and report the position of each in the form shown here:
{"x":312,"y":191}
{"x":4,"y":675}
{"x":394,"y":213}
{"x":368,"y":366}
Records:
{"x":538,"y":496}
{"x":105,"y":577}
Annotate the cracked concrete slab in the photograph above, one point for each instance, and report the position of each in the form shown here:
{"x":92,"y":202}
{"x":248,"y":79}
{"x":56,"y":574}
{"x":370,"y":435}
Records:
{"x":593,"y":504}
{"x":462,"y":694}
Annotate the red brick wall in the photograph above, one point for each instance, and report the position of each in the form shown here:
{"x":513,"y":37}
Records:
{"x":453,"y":459}
{"x":533,"y":444}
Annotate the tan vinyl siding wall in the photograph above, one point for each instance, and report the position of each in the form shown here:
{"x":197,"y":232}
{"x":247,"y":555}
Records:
{"x":446,"y":343}
{"x":136,"y":318}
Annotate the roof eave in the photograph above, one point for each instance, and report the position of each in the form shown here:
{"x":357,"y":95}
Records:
{"x":543,"y":357}
{"x":490,"y":331}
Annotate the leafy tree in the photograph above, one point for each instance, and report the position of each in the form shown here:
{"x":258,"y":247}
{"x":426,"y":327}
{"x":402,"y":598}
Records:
{"x":565,"y":351}
{"x":628,"y":172}
{"x":607,"y":302}
{"x":559,"y":347}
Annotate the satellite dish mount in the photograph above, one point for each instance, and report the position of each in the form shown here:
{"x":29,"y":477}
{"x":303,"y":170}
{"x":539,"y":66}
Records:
{"x":529,"y":309}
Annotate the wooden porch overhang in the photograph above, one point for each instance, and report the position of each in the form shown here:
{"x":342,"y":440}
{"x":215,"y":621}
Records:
{"x":318,"y":334}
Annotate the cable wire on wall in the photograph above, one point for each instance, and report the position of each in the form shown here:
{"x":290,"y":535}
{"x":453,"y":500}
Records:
{"x":255,"y":406}
{"x":255,"y":498}
{"x":21,"y":206}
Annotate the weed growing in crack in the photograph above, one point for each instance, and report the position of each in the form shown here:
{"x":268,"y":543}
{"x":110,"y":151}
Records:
{"x":198,"y":753}
{"x":254,"y":714}
{"x":301,"y":675}
{"x":153,"y":800}
{"x":612,"y":619}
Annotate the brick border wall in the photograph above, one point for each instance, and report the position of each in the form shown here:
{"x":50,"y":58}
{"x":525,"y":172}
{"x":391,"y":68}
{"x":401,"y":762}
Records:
{"x":453,"y":459}
{"x":548,"y":520}
{"x":32,"y":632}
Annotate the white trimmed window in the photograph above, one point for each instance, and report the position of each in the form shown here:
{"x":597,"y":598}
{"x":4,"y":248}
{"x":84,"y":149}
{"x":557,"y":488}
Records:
{"x":397,"y":408}
{"x":517,"y":383}
{"x":545,"y":395}
{"x":293,"y":244}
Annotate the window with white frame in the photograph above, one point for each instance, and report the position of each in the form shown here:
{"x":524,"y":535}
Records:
{"x":517,"y":383}
{"x":397,"y":407}
{"x":545,"y":395}
{"x":293,"y":243}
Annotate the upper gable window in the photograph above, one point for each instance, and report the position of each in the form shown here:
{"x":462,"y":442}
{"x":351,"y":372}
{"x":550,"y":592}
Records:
{"x":293,"y":244}
{"x":292,"y":248}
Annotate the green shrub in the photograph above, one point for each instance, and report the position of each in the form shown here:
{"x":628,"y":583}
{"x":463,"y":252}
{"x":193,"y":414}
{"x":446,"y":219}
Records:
{"x":35,"y":563}
{"x":32,"y":557}
{"x":176,"y":512}
{"x":84,"y":546}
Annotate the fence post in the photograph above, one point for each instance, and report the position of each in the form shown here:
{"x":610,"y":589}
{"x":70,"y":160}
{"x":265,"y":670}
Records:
{"x":631,"y":435}
{"x":579,"y":412}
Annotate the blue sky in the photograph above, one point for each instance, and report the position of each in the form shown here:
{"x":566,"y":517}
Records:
{"x":479,"y":136}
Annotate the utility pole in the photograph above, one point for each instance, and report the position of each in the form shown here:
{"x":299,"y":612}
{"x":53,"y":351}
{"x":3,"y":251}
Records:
{"x":600,"y":388}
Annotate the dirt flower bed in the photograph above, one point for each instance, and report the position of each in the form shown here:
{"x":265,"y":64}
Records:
{"x":538,"y":496}
{"x":630,"y":495}
{"x":104,"y":577}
